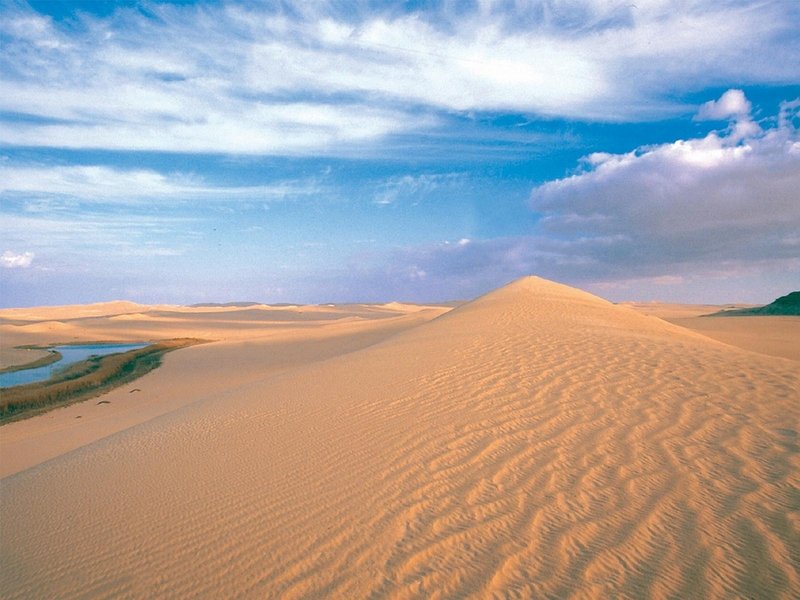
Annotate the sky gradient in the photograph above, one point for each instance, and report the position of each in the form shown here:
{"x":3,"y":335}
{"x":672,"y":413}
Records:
{"x":312,"y":152}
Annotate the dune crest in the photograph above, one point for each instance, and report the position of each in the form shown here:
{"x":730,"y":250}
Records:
{"x":536,"y":442}
{"x":532,"y":290}
{"x":97,"y":309}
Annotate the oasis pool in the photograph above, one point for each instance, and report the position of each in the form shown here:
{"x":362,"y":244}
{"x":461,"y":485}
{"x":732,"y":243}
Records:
{"x":70,"y":354}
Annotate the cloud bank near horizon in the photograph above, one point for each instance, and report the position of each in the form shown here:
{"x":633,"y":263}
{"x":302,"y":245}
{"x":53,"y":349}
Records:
{"x":724,"y":199}
{"x":311,"y":78}
{"x":692,"y":212}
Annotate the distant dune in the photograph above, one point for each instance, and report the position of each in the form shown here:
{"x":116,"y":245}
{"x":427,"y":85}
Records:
{"x":785,"y":305}
{"x":71,"y":312}
{"x":538,"y":442}
{"x":225,"y":304}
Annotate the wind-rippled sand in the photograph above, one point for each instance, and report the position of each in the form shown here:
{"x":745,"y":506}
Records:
{"x":538,"y":442}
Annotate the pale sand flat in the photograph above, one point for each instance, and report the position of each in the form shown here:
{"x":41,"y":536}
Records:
{"x":538,"y":442}
{"x":772,"y":335}
{"x":776,"y":336}
{"x":668,"y":311}
{"x":10,"y":356}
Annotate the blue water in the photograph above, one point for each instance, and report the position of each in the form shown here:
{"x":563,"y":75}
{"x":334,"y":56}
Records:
{"x":71,"y":354}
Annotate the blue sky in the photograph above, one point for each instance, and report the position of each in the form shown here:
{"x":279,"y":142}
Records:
{"x":326,"y":151}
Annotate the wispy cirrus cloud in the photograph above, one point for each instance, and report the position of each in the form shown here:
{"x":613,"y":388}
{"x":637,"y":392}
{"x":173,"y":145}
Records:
{"x":73,"y":216}
{"x":96,"y":234}
{"x":415,"y":186}
{"x":97,"y":183}
{"x":311,"y":78}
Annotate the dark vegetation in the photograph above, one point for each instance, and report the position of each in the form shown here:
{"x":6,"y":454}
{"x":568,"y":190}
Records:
{"x":86,"y":379}
{"x":785,"y":305}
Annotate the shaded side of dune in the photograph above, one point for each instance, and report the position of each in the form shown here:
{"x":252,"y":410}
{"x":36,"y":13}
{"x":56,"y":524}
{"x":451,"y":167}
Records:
{"x":788,"y":305}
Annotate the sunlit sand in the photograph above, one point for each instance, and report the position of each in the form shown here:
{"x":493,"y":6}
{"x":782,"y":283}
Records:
{"x":536,"y":442}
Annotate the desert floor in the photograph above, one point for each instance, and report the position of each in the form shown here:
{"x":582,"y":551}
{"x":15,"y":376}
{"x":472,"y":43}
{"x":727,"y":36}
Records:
{"x":536,"y":442}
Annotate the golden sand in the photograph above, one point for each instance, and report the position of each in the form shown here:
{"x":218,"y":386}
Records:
{"x":537,"y":442}
{"x":772,"y":335}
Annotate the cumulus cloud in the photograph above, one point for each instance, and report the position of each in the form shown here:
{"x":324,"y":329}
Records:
{"x":13,"y":260}
{"x":675,"y":215}
{"x":732,"y":103}
{"x":689,"y":206}
{"x":304,"y":78}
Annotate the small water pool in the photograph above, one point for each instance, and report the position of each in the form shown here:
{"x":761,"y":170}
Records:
{"x":70,"y":355}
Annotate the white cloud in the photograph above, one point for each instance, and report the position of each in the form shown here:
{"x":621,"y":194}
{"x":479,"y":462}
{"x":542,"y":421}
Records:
{"x":735,"y":106}
{"x":12,"y":260}
{"x":95,"y":183}
{"x":689,"y":206}
{"x":414,"y":186}
{"x":713,"y":218}
{"x":310,"y":79}
{"x":99,"y":235}
{"x":732,"y":103}
{"x":237,"y":127}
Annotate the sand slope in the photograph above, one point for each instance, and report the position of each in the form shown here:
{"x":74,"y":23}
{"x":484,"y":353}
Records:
{"x":538,"y":442}
{"x":766,"y":334}
{"x":245,"y":350}
{"x":775,"y":336}
{"x":109,"y":321}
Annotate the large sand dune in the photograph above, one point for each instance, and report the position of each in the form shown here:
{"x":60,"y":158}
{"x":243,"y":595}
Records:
{"x":537,"y":442}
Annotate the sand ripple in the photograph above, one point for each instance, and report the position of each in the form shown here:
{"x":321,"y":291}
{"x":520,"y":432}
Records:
{"x":537,"y":443}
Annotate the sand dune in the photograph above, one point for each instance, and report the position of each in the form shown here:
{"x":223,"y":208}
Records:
{"x":102,"y":322}
{"x":56,"y":313}
{"x":47,"y":327}
{"x":242,"y":352}
{"x":537,"y":442}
